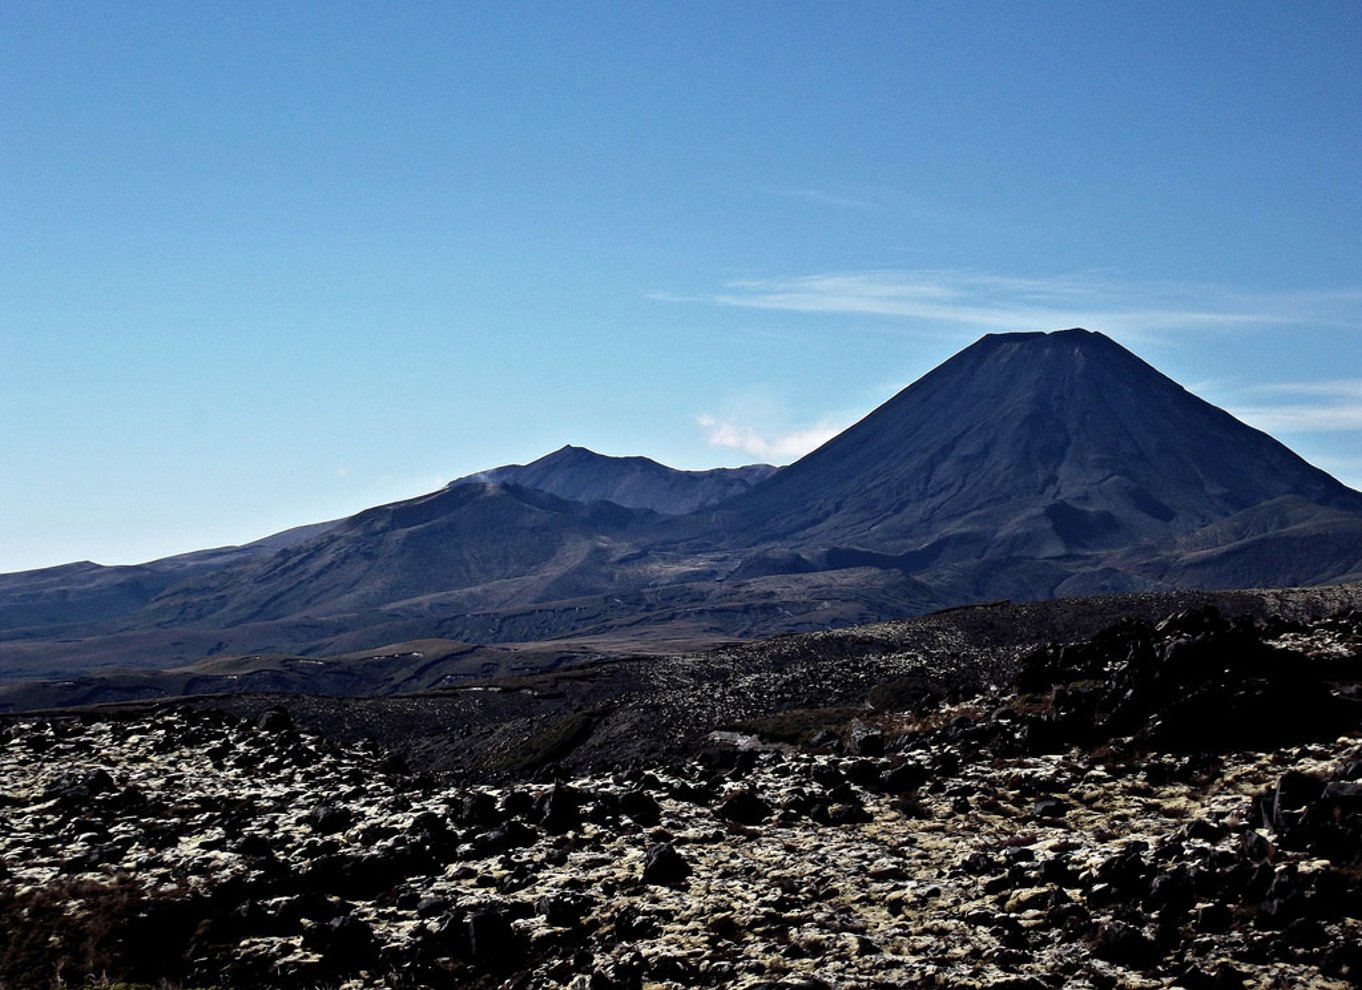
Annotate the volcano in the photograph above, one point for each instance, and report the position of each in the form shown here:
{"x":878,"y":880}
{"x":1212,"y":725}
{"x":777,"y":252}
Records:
{"x":1029,"y":466}
{"x":1036,"y":445}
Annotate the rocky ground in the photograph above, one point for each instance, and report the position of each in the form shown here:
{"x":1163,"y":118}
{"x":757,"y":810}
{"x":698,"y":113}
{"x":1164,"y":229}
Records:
{"x":1170,"y":805}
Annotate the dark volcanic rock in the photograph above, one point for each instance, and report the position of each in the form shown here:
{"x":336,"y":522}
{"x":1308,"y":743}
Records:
{"x":1224,"y":686}
{"x":564,"y":910}
{"x":77,"y":788}
{"x":560,"y":809}
{"x":1123,"y":943}
{"x":347,"y":943}
{"x":478,"y":808}
{"x":492,"y":942}
{"x":1222,"y":977}
{"x":329,"y":819}
{"x":276,"y":719}
{"x":1050,"y":807}
{"x":745,"y":808}
{"x":664,"y":865}
{"x":966,"y":857}
{"x":906,"y":776}
{"x":1311,"y":814}
{"x":640,"y":806}
{"x":865,"y":740}
{"x":514,"y":834}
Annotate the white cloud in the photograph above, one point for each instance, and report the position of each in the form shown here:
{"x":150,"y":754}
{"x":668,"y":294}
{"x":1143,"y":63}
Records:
{"x":984,"y":300}
{"x":1301,"y":418}
{"x":1319,"y":407}
{"x":1340,"y":388}
{"x":778,"y":447}
{"x":823,"y":197}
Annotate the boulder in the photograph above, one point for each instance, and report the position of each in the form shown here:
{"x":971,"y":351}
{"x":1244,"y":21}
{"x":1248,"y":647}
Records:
{"x":1124,"y":944}
{"x":663,"y":865}
{"x":560,"y":809}
{"x":865,"y":740}
{"x":276,"y":719}
{"x":492,"y":942}
{"x":745,"y":808}
{"x":906,"y":776}
{"x":1050,"y":808}
{"x":328,"y":819}
{"x":641,"y":807}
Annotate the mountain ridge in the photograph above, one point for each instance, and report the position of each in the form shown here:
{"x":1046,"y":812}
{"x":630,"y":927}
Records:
{"x":1025,"y":467}
{"x":582,"y":475}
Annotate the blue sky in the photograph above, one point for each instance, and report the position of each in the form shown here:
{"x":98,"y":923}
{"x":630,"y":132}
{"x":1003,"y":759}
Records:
{"x":263,"y":264}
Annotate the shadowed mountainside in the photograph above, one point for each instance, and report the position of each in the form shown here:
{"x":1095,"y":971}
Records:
{"x":88,"y":592}
{"x":1030,"y":445}
{"x":516,"y":543}
{"x":1027,"y":466}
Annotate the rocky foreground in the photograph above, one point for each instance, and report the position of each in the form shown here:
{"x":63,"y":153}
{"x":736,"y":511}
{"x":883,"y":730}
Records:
{"x":1176,"y":805}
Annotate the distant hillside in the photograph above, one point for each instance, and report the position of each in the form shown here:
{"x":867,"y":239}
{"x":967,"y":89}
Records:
{"x":508,"y":539}
{"x":85,"y":592}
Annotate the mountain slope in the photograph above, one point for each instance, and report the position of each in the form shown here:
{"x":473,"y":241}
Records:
{"x":87,"y":592}
{"x":467,"y":535}
{"x":582,"y":475}
{"x":1028,"y":466}
{"x":1030,"y":445}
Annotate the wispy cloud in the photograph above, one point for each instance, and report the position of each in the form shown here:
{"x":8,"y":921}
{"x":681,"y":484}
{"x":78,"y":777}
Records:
{"x":825,"y":197}
{"x":984,"y":300}
{"x":778,"y":447}
{"x":1337,"y":388}
{"x":1309,"y":407}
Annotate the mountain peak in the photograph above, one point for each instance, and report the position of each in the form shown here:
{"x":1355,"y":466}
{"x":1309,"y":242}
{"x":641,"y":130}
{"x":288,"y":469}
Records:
{"x":582,"y":475}
{"x":1033,"y":339}
{"x":1034,"y":444}
{"x":1038,"y":334}
{"x":570,"y":453}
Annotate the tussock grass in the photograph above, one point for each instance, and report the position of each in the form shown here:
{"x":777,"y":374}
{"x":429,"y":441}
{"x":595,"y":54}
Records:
{"x":550,"y":743}
{"x":797,"y":726}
